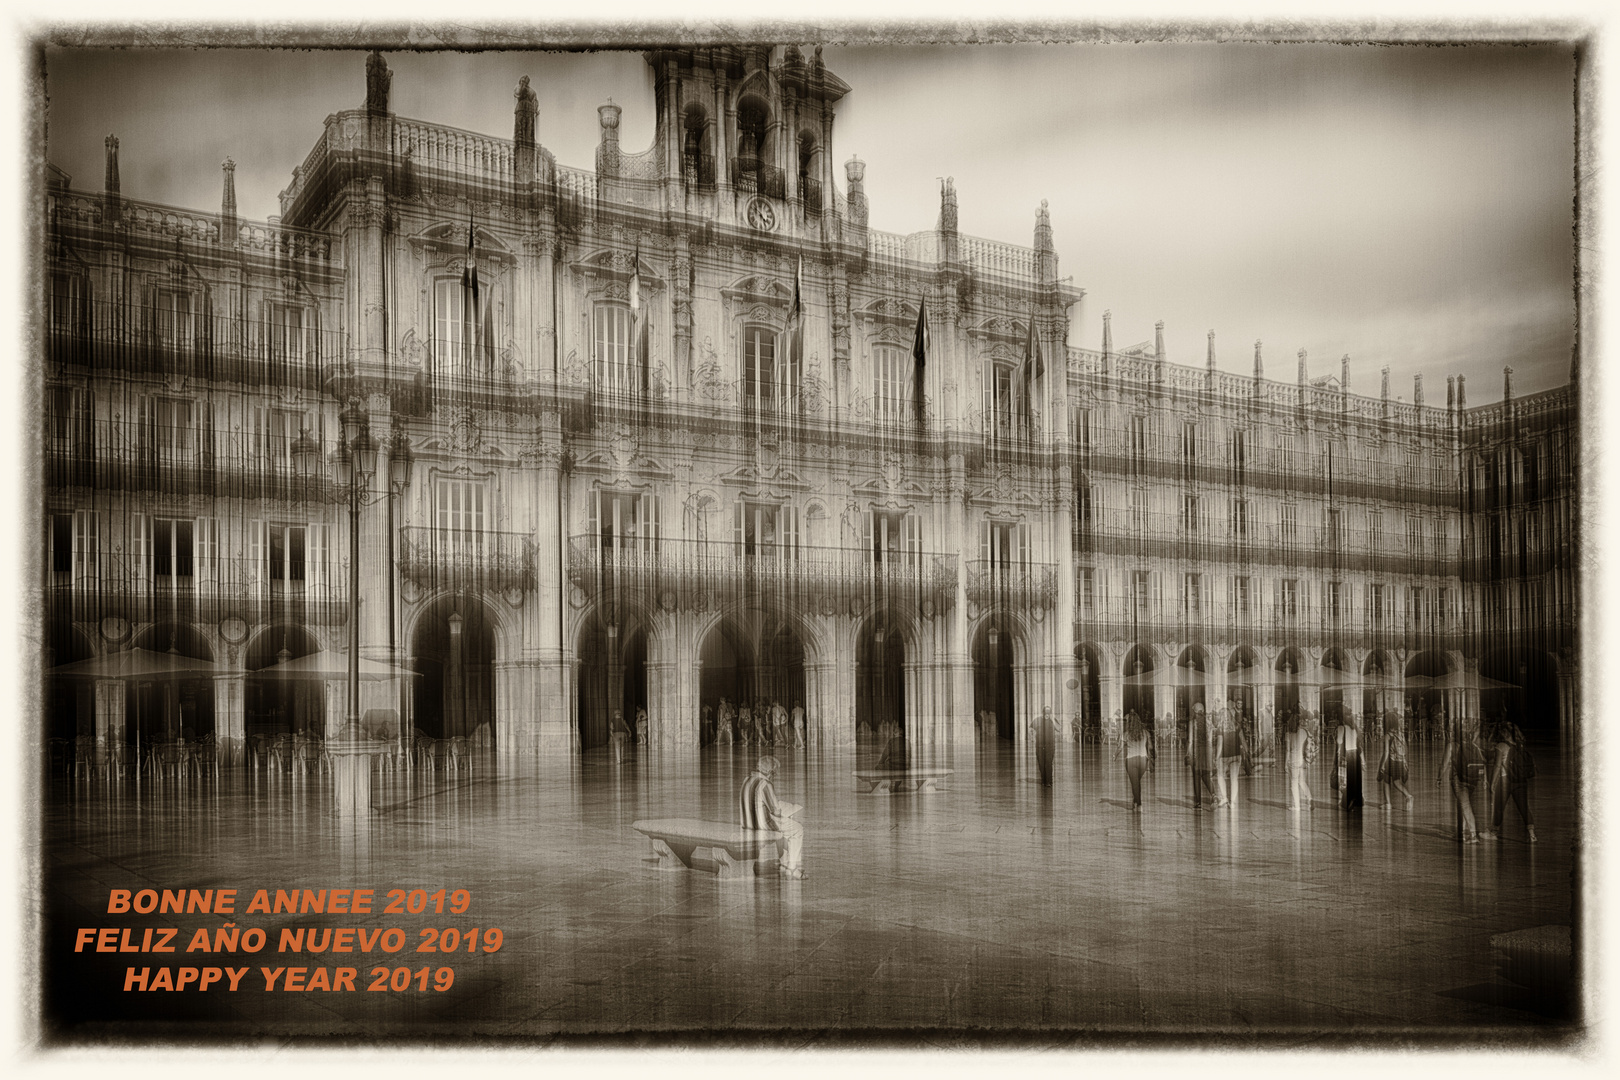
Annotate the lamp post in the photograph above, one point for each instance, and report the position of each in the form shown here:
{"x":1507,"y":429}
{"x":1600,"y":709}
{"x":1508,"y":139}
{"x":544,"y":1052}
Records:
{"x":354,"y":464}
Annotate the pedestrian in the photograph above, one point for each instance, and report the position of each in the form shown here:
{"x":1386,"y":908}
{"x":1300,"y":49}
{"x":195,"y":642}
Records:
{"x":745,"y":722}
{"x":706,"y":725}
{"x":1299,"y":751}
{"x":1231,"y":750}
{"x":762,"y":720}
{"x":798,"y":726}
{"x":619,"y":733}
{"x":1045,"y":744}
{"x":1200,"y":756}
{"x":1392,"y":771}
{"x":1515,"y":768}
{"x":779,"y":719}
{"x":1135,"y":748}
{"x":1457,"y":768}
{"x":1347,"y":756}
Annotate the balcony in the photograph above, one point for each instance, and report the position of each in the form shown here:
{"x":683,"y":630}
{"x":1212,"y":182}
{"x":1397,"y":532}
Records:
{"x":828,"y":579}
{"x":202,"y":590}
{"x":108,"y":336}
{"x":490,"y":561}
{"x":1021,"y":586}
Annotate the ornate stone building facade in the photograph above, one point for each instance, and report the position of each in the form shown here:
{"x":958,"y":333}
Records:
{"x":662,"y":432}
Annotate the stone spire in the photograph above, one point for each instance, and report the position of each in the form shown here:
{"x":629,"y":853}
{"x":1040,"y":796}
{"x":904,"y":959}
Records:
{"x":1383,"y":390}
{"x":947,"y":205}
{"x":1417,"y":389}
{"x":1209,"y":354}
{"x":1303,"y":378}
{"x":111,"y":200}
{"x":378,"y":82}
{"x":607,"y":151}
{"x":227,"y":203}
{"x":1451,"y":393}
{"x":1462,"y":392}
{"x":524,"y":113}
{"x":1108,"y":334}
{"x":1045,"y":254}
{"x":1344,"y":374}
{"x":1259,"y":368}
{"x":1507,"y":384}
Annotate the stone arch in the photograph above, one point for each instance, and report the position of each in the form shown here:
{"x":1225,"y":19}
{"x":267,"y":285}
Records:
{"x":274,"y":706}
{"x":172,"y":709}
{"x":457,"y":693}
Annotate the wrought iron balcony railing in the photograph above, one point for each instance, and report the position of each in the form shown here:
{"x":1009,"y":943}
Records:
{"x":1020,"y":586}
{"x":826,"y":579}
{"x":465,"y":559}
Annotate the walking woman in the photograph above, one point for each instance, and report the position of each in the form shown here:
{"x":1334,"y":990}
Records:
{"x":1456,"y":768}
{"x":1199,"y":755}
{"x":1392,"y":771}
{"x":1347,"y":752}
{"x":1232,"y":752}
{"x":1135,"y":749}
{"x":1299,"y":751}
{"x":1515,"y":768}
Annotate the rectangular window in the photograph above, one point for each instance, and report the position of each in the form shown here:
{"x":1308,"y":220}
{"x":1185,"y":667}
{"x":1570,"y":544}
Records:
{"x":168,"y":427}
{"x":1289,"y":523}
{"x":458,"y":511}
{"x":1189,"y":513}
{"x":1004,"y":546}
{"x":1335,"y":598}
{"x":1082,"y":508}
{"x":61,"y":543}
{"x":1192,"y":586}
{"x":1189,"y":443}
{"x":1375,"y":530}
{"x":273,"y":433}
{"x":611,"y":332}
{"x":766,"y":530}
{"x":1289,"y":604}
{"x":171,"y":549}
{"x":458,"y":328}
{"x":893,"y":537}
{"x":1437,"y":532}
{"x":1000,"y":399}
{"x":1415,"y":600}
{"x":763,"y":392}
{"x":1377,"y":597}
{"x":70,"y":303}
{"x":1139,"y":510}
{"x":1082,"y":427}
{"x":286,"y":336}
{"x":1285,"y":446}
{"x":1414,"y":535}
{"x":1088,"y":599}
{"x":1139,"y":440}
{"x":175,"y":322}
{"x":1140,"y":584}
{"x":1237,"y":596}
{"x":1239,"y":449}
{"x":625,"y":520}
{"x":1414,"y":460}
{"x":1239,"y":518}
{"x":891,"y":382}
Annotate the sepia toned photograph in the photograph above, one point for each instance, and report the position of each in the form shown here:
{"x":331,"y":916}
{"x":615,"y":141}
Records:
{"x":676,"y":539}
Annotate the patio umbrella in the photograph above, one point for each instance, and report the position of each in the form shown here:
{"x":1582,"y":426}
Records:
{"x":145,"y":664}
{"x":1334,"y":679}
{"x":1469,"y":680}
{"x":330,"y":665}
{"x":1179,"y":676}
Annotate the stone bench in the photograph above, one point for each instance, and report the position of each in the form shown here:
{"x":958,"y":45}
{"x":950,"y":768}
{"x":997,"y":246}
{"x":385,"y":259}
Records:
{"x":714,"y":847}
{"x":897,"y":781}
{"x":1540,"y":958}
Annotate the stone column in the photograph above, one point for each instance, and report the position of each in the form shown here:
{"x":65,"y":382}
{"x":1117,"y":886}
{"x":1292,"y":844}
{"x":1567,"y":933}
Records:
{"x":230,"y":718}
{"x":556,"y":730}
{"x":669,"y":727}
{"x":110,"y":700}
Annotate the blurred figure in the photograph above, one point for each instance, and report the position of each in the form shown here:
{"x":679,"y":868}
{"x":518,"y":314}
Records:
{"x":1392,"y":771}
{"x":745,"y":722}
{"x":1135,"y":748}
{"x":1232,"y":751}
{"x":798,"y":726}
{"x":641,"y":726}
{"x":1457,"y":767}
{"x":1347,"y":754}
{"x":619,"y":733}
{"x":1200,"y":756}
{"x":1515,"y":768}
{"x":779,"y":719}
{"x":1298,"y":752}
{"x":1045,"y":744}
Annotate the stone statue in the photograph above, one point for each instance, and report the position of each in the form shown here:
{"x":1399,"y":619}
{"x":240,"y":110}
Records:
{"x":378,"y":80}
{"x":528,"y":107}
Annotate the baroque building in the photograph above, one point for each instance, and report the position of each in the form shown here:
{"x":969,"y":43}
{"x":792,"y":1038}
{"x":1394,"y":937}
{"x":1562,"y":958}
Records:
{"x":683,"y":427}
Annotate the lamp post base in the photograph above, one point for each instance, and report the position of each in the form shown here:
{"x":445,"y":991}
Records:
{"x":352,"y":753}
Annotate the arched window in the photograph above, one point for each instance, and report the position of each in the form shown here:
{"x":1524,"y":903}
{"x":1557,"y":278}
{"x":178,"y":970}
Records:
{"x":697,"y":164}
{"x":611,"y":333}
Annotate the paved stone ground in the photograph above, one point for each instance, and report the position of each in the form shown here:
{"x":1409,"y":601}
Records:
{"x":993,"y":909}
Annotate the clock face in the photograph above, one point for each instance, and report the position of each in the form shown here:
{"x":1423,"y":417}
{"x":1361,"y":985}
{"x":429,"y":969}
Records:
{"x":761,"y":216}
{"x":233,"y":630}
{"x":114,"y":628}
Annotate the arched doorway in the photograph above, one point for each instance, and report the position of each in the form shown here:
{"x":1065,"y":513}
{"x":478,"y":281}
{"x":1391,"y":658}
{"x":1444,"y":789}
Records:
{"x":1380,"y":691}
{"x":754,"y":658}
{"x":1532,"y":701}
{"x":1286,"y":675}
{"x":1430,"y":708}
{"x":612,"y":676}
{"x":277,"y":706}
{"x":1138,"y":683}
{"x":453,"y":646}
{"x":1242,"y":672}
{"x":880,"y":678}
{"x":170,"y":709}
{"x":1190,"y":685}
{"x":993,"y":688}
{"x":1334,"y":697}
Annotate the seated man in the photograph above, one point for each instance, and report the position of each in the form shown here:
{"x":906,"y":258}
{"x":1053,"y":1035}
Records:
{"x":761,"y":810}
{"x":897,"y":755}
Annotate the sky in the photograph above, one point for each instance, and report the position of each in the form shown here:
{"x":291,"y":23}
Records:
{"x":1410,"y":206}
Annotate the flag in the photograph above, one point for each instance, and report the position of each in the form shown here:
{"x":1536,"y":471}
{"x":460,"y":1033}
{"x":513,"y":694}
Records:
{"x":638,"y":321}
{"x":919,"y":354}
{"x":795,"y":327}
{"x":469,"y":300}
{"x":1034,"y":368}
